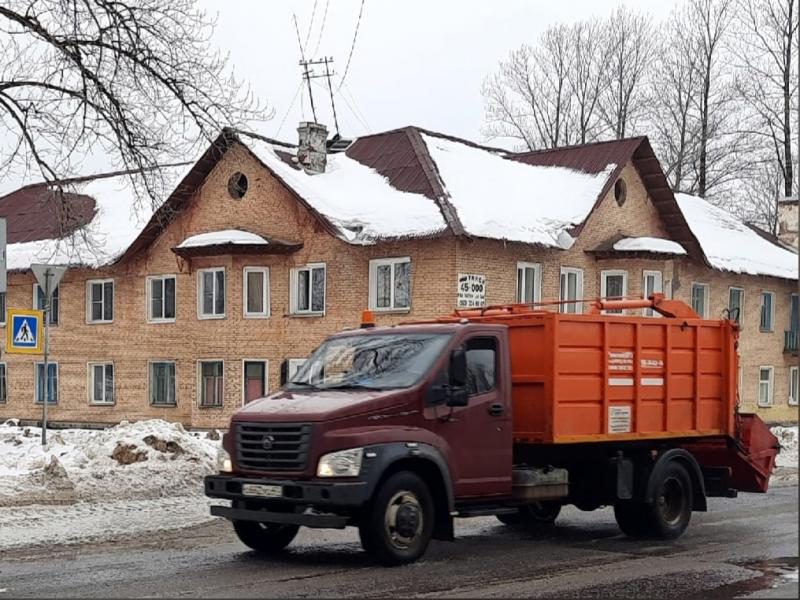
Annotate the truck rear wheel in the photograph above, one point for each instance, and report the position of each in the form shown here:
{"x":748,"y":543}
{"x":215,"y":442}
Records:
{"x":538,"y":514}
{"x":267,"y":538}
{"x":668,"y":515}
{"x":399,"y":521}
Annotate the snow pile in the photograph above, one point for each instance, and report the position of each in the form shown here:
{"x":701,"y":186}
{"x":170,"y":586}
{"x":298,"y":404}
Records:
{"x":358,"y":200}
{"x":148,"y":459}
{"x":504,"y":199}
{"x":225,"y":236}
{"x":787,"y":436}
{"x":120,"y":216}
{"x":730,"y":245}
{"x":649,"y":244}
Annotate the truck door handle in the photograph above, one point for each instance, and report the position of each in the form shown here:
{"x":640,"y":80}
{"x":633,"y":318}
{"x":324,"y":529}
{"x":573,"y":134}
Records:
{"x":496,"y":409}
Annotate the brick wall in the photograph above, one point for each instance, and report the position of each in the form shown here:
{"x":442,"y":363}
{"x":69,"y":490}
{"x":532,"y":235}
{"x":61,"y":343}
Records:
{"x":130,"y":342}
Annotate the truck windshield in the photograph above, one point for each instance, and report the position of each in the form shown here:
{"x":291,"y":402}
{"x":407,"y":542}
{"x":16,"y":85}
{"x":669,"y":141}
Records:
{"x":377,"y":361}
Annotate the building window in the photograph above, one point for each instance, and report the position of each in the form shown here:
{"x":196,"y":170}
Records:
{"x":211,"y":293}
{"x":613,"y":284}
{"x":529,"y":282}
{"x":51,"y":385}
{"x":735,"y":304}
{"x":767,"y":311}
{"x":3,"y":384}
{"x":2,"y":307}
{"x":100,"y":304}
{"x":255,"y":373}
{"x":237,"y":185}
{"x":571,"y":288}
{"x":101,"y":383}
{"x":307,"y":287}
{"x":161,"y":298}
{"x":211,"y":382}
{"x":652,"y":283}
{"x":162,"y":383}
{"x":700,"y":299}
{"x":256,"y":292}
{"x":390,"y":283}
{"x":765,"y":385}
{"x":620,"y":191}
{"x":794,"y":385}
{"x":38,"y":302}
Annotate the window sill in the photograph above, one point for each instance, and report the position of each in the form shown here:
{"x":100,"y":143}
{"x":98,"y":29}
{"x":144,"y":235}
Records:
{"x":156,"y":405}
{"x":765,"y":405}
{"x":766,"y":330}
{"x":308,"y":314}
{"x":159,"y":321}
{"x":256,"y":316}
{"x":211,"y":317}
{"x":99,"y":322}
{"x":110,"y":404}
{"x":391,"y":311}
{"x":210,"y":406}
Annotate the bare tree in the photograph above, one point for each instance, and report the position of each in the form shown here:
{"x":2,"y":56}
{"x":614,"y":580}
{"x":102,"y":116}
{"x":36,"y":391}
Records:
{"x":767,"y":81}
{"x":136,"y":80}
{"x":630,"y":50}
{"x":587,"y":75}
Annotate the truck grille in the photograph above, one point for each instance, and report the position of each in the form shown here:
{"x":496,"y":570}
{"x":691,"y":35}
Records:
{"x":272,"y":446}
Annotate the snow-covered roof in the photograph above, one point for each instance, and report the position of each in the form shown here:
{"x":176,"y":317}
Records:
{"x":225,"y":236}
{"x":730,"y":245}
{"x":648,"y":244}
{"x":504,"y":199}
{"x":120,"y":214}
{"x":357,"y":200}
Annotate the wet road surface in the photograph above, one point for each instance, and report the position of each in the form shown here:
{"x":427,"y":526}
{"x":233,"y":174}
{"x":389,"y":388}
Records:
{"x":741,"y":547}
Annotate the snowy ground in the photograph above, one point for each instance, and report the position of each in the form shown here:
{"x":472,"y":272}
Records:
{"x":75,"y":491}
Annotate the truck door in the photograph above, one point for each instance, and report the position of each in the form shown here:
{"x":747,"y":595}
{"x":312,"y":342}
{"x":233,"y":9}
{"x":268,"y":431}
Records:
{"x":480,"y":434}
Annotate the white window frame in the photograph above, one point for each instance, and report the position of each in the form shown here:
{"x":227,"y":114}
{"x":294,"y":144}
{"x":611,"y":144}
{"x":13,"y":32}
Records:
{"x":706,"y":296}
{"x":770,"y":386}
{"x":36,"y":383}
{"x":90,"y":377}
{"x":244,"y":376}
{"x":794,"y":372}
{"x":537,"y":284}
{"x":293,"y":290}
{"x":200,"y":363}
{"x":658,"y":288}
{"x":604,"y":275}
{"x":101,"y":282}
{"x":741,"y":307}
{"x":565,"y":272}
{"x":265,"y":298}
{"x":373,"y":281}
{"x":772,"y":312}
{"x":150,"y":364}
{"x":4,"y":297}
{"x":35,"y":303}
{"x":148,"y":298}
{"x":4,"y":367}
{"x":200,"y":314}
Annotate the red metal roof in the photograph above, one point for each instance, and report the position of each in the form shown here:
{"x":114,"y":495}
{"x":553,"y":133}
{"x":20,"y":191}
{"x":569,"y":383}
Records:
{"x":37,"y":213}
{"x":589,"y":158}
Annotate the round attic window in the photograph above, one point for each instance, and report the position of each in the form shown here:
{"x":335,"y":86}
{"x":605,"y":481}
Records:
{"x":237,"y":185}
{"x":620,"y":191}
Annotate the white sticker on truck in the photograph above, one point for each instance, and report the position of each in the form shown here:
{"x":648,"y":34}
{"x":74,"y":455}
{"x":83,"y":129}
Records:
{"x":619,"y":419}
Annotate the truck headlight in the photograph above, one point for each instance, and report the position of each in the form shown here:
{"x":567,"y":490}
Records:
{"x":344,"y":463}
{"x":224,"y":464}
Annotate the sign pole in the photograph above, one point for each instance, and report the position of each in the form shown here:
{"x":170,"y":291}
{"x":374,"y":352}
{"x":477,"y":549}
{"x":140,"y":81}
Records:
{"x":45,"y":388}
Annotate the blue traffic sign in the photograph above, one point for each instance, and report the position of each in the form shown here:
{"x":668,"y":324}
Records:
{"x":24,"y":331}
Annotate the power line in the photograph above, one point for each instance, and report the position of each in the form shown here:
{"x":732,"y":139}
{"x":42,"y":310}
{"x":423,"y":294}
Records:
{"x":352,"y":47}
{"x":288,"y":110}
{"x":357,"y":107}
{"x":311,"y":24}
{"x":322,"y":28}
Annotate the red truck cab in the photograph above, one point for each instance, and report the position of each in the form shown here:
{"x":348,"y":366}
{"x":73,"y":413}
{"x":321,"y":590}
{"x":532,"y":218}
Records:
{"x":397,"y":430}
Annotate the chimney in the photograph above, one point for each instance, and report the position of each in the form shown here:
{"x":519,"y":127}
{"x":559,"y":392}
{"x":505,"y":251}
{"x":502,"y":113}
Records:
{"x":311,"y":150}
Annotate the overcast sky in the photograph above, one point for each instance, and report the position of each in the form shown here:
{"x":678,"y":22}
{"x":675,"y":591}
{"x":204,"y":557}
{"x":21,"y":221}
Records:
{"x":417,"y":62}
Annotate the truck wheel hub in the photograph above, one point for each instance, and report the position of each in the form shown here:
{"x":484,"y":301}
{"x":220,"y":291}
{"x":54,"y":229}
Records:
{"x":407,"y":520}
{"x":404,"y":518}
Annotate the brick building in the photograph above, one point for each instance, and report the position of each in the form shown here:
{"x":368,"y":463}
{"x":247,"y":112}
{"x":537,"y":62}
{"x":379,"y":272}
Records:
{"x":263,"y":248}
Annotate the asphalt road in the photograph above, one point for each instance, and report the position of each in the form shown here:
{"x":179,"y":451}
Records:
{"x":742,"y":547}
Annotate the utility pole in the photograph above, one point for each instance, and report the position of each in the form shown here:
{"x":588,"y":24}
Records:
{"x":308,"y":75}
{"x":48,"y":276}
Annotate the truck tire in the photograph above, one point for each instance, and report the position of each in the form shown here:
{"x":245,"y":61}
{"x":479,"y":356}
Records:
{"x":669,"y":513}
{"x":266,"y":538}
{"x":399,"y":522}
{"x":538,"y":514}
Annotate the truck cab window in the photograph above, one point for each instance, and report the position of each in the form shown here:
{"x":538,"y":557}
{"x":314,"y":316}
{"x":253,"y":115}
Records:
{"x":481,"y":363}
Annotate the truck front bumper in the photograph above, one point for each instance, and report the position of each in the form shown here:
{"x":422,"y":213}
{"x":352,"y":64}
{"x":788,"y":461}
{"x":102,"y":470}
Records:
{"x":345,"y":494}
{"x":322,"y":521}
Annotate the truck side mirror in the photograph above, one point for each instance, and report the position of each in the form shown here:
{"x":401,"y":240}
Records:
{"x":458,"y":378}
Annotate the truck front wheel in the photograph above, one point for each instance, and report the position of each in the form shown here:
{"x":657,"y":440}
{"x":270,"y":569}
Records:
{"x":267,"y":538}
{"x":399,"y":522}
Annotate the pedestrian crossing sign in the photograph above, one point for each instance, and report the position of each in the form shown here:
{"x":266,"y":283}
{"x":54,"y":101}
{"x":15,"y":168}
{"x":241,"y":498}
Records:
{"x":24,"y":331}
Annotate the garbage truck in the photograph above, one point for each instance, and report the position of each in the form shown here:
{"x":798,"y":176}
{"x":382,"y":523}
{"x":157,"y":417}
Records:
{"x":513,"y":411}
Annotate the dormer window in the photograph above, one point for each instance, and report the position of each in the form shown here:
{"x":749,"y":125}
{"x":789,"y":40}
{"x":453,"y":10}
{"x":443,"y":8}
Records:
{"x":620,"y":191}
{"x":237,"y":185}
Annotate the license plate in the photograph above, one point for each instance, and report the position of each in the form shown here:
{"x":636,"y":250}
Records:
{"x":264,"y":491}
